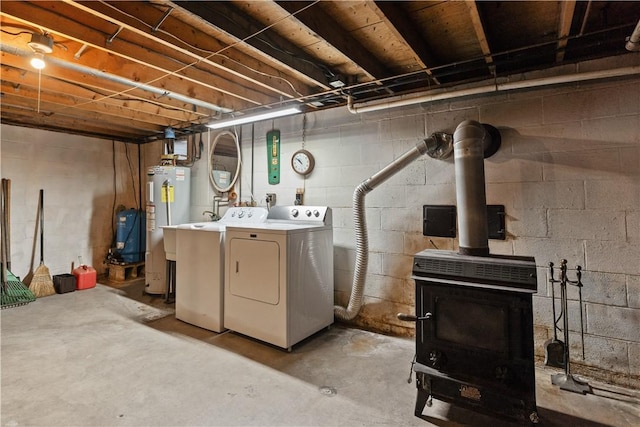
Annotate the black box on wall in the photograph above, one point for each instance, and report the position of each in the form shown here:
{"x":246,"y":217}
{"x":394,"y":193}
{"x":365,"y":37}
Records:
{"x":440,"y":221}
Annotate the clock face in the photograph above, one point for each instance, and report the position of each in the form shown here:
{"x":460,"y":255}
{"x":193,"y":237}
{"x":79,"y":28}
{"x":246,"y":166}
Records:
{"x":302,"y":162}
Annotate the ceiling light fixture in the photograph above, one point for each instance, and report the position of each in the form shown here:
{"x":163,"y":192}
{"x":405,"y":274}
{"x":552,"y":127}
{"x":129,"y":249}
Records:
{"x":250,"y":118}
{"x":37,"y":61}
{"x":40,"y":44}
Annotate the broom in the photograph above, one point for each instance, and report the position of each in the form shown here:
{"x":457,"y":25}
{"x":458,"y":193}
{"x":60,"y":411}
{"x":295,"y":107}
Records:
{"x":42,"y":284}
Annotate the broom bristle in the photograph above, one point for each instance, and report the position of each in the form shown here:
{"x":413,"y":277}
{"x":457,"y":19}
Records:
{"x":42,"y":284}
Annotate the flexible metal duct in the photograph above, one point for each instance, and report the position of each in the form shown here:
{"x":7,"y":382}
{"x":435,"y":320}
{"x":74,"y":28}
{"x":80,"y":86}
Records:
{"x":360,"y":224}
{"x":469,"y":143}
{"x":472,"y":141}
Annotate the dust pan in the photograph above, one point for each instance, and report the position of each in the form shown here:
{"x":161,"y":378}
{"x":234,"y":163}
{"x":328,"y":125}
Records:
{"x":42,"y":284}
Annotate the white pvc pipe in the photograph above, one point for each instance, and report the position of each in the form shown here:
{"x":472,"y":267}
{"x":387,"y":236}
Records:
{"x":405,"y":100}
{"x":633,"y":42}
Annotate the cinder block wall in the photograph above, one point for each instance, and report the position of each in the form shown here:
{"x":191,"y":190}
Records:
{"x":568,"y":173}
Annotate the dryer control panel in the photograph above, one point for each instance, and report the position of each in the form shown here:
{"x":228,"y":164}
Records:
{"x":320,"y":214}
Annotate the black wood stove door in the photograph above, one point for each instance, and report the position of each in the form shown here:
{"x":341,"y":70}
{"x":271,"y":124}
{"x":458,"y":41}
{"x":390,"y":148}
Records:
{"x":474,"y":347}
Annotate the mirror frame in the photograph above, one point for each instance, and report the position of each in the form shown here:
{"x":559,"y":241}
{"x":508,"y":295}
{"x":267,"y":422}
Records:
{"x":234,"y":177}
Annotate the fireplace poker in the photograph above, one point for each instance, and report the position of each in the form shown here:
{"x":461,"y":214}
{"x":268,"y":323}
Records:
{"x":578,"y":283}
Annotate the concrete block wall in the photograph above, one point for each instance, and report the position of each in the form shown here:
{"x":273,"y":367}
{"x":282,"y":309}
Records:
{"x":568,"y":173}
{"x":82,"y":182}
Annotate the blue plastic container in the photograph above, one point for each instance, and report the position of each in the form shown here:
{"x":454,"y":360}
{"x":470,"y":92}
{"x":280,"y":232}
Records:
{"x":131,"y":235}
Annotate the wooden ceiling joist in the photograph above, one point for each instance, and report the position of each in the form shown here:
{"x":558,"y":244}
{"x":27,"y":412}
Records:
{"x":323,"y":25}
{"x":266,"y":42}
{"x":401,"y":24}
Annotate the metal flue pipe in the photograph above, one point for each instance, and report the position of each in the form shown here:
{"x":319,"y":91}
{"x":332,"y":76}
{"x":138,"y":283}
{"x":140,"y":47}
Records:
{"x":469,"y":142}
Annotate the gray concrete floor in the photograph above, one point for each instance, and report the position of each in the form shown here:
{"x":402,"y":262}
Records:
{"x":115,"y":357}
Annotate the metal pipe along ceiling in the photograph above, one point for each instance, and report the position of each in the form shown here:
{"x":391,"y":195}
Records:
{"x":412,"y":99}
{"x":116,"y":79}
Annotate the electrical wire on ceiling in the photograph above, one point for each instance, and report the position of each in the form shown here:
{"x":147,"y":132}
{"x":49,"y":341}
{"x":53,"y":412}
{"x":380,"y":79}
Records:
{"x":192,"y":64}
{"x":446,"y":70}
{"x":121,"y":98}
{"x":210,"y":53}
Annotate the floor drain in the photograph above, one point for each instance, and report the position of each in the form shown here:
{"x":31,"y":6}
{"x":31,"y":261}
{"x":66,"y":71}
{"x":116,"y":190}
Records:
{"x":328,"y":391}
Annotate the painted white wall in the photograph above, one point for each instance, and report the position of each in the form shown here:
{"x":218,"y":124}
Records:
{"x":81,"y":188}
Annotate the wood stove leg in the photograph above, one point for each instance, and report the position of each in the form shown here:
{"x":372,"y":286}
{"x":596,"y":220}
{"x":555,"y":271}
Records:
{"x":424,"y":395}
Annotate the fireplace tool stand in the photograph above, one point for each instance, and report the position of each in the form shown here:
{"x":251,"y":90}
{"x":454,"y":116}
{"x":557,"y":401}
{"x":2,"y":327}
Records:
{"x":566,"y":381}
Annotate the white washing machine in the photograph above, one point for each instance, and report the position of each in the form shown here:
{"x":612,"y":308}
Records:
{"x":200,"y":267}
{"x":279,"y":275}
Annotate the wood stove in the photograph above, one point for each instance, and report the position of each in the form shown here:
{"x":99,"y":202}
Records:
{"x":474,"y":332}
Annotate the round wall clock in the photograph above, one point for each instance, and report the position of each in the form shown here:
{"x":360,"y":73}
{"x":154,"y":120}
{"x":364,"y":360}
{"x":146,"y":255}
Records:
{"x":302,"y":162}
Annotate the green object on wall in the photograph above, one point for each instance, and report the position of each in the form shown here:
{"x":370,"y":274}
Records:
{"x":273,"y":156}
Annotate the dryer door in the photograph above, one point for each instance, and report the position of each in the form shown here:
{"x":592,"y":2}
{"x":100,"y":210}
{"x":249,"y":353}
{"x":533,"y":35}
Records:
{"x":254,"y":270}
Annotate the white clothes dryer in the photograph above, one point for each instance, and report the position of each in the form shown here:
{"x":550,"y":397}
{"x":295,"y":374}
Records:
{"x":200,"y":267}
{"x":279,"y":275}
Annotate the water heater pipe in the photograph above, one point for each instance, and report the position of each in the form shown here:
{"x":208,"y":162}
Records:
{"x":412,"y":99}
{"x":362,"y":240}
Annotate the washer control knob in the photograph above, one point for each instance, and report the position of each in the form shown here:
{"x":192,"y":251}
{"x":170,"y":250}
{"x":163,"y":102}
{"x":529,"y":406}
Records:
{"x":240,"y":214}
{"x":294,"y":213}
{"x":308,"y":212}
{"x":250,"y":214}
{"x":316,"y":213}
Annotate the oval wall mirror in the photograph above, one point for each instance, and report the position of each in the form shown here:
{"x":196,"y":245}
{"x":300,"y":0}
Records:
{"x":224,"y":161}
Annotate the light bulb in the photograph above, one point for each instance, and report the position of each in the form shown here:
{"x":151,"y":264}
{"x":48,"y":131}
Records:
{"x":37,"y":61}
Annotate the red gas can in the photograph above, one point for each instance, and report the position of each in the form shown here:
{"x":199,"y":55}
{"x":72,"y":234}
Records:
{"x":85,"y":277}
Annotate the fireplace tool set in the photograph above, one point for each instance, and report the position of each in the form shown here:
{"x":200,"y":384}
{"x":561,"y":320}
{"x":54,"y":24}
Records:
{"x":556,"y":351}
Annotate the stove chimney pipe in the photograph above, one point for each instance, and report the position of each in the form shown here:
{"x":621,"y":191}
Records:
{"x":472,"y":142}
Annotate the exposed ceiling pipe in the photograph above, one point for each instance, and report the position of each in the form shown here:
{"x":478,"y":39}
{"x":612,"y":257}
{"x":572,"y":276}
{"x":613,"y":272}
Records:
{"x":412,"y":99}
{"x":633,"y":41}
{"x":12,"y":50}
